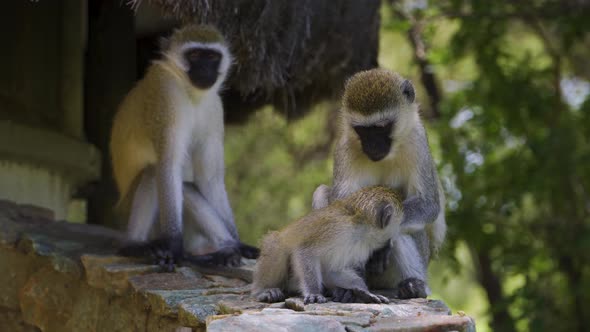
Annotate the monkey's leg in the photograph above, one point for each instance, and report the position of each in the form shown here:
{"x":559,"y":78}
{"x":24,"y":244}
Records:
{"x":144,"y":207}
{"x":203,"y":217}
{"x":209,"y":169}
{"x":321,"y":197}
{"x":348,"y":286}
{"x":209,"y":173}
{"x":407,"y":271}
{"x":307,"y":268}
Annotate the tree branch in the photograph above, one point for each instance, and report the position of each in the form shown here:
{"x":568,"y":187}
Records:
{"x":501,"y":319}
{"x":420,"y":55}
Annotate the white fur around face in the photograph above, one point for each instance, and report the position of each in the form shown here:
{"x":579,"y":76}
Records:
{"x":376,"y":119}
{"x":404,"y":118}
{"x":175,"y":55}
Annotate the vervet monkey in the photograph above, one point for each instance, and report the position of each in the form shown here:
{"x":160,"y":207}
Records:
{"x":173,"y":117}
{"x":383,"y":142}
{"x":327,"y":247}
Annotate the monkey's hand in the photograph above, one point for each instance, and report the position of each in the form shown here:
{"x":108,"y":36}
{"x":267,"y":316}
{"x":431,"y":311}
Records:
{"x":379,"y":260}
{"x":228,"y":256}
{"x":271,"y":295}
{"x":412,"y":288}
{"x":249,"y":251}
{"x":163,"y":252}
{"x":314,"y":298}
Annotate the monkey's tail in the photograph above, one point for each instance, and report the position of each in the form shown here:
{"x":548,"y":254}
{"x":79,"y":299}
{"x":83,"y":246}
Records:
{"x":438,"y":231}
{"x":272,"y":267}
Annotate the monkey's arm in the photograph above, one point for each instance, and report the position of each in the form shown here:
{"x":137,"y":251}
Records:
{"x":163,"y":182}
{"x":321,"y":197}
{"x":419,"y":210}
{"x":169,"y":184}
{"x":423,"y":207}
{"x":422,"y":204}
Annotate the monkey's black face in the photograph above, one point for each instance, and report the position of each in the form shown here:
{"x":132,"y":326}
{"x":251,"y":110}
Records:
{"x":375,"y":140}
{"x":203,"y":66}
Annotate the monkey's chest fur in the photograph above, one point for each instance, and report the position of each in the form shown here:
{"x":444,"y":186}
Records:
{"x":393,"y":173}
{"x":397,"y":171}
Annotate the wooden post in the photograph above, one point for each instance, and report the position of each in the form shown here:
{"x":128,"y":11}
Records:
{"x":110,"y":73}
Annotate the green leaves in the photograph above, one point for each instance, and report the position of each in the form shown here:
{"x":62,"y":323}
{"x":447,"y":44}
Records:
{"x":515,"y":155}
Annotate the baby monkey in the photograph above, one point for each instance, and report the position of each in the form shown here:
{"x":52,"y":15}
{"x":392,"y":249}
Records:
{"x":327,"y":248}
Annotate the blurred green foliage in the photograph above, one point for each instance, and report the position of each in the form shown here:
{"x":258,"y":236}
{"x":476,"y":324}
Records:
{"x":273,"y":167}
{"x":511,"y":142}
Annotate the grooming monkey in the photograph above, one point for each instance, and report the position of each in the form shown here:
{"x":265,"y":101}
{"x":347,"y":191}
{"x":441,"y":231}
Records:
{"x":383,"y":142}
{"x":172,"y":118}
{"x":327,"y":247}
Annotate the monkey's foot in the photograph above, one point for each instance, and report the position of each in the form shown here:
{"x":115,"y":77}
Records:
{"x":412,"y":288}
{"x":271,"y":295}
{"x":345,"y":295}
{"x":249,"y":251}
{"x":368,"y":297}
{"x":379,"y":260}
{"x":229,"y":256}
{"x":161,"y":252}
{"x":314,"y":298}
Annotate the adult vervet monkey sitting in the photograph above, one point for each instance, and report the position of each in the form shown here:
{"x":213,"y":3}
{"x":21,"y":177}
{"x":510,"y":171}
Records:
{"x":173,"y":117}
{"x":383,"y":142}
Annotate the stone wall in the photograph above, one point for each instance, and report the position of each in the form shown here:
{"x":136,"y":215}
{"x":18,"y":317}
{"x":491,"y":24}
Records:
{"x":58,"y":276}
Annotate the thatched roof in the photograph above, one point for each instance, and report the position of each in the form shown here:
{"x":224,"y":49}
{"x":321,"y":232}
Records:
{"x":291,"y":53}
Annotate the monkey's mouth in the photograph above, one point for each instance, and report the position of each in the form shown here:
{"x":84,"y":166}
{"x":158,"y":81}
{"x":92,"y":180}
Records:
{"x":203,"y":77}
{"x":375,"y":140}
{"x":376,"y":150}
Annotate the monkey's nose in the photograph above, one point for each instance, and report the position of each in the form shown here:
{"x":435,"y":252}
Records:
{"x":376,"y":154}
{"x":376,"y":149}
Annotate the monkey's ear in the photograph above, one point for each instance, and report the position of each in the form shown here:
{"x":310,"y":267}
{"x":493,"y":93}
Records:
{"x":384,"y":215}
{"x":408,"y":91}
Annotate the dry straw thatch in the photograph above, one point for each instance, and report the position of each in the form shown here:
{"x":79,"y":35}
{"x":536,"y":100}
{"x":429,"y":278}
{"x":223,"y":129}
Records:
{"x":290,"y":53}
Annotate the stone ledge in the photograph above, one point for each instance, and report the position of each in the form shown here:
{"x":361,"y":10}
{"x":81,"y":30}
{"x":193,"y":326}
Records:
{"x":65,"y":277}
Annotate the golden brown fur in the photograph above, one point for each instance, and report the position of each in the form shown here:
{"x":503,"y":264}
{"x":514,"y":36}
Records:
{"x":338,"y":238}
{"x":372,"y":91}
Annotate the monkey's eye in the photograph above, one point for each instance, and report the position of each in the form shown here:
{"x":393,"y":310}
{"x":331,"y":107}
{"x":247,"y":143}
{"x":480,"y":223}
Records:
{"x":213,"y":56}
{"x":193,"y":55}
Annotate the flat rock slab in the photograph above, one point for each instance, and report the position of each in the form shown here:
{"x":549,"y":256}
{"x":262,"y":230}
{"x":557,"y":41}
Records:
{"x":255,"y":322}
{"x":65,"y":277}
{"x":425,"y":323}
